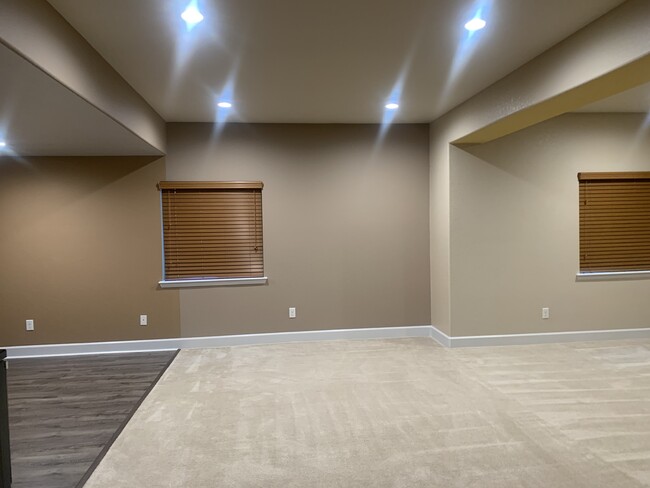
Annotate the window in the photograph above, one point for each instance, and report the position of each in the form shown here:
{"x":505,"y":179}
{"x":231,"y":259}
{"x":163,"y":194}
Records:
{"x":614,"y":222}
{"x":212,"y":231}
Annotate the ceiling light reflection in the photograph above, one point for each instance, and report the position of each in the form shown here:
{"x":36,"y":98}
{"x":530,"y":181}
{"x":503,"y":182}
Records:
{"x":192,"y":15}
{"x":475,"y":24}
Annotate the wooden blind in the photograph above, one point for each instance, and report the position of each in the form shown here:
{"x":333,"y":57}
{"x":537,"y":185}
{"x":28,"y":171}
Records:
{"x":212,"y":229}
{"x":614,"y":221}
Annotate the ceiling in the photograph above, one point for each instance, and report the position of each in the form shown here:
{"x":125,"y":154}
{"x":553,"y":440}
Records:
{"x":40,"y":116}
{"x":299,"y":61}
{"x":327,"y":61}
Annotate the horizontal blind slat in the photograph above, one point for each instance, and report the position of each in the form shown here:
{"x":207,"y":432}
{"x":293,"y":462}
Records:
{"x":212,"y":229}
{"x":614,"y":222}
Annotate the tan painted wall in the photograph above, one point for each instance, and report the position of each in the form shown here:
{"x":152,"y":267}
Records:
{"x":80,"y":251}
{"x":35,"y":30}
{"x":514,"y":228}
{"x":439,"y":229}
{"x":609,"y":55}
{"x":346,"y":232}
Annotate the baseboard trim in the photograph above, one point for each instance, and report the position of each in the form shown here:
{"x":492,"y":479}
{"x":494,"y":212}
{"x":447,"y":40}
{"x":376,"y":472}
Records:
{"x":15,"y":352}
{"x":440,"y":337}
{"x":538,"y":338}
{"x":114,"y":347}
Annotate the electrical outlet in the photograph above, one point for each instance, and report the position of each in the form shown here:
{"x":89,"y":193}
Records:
{"x":292,"y":312}
{"x":546,"y":313}
{"x":29,"y":324}
{"x":143,"y":320}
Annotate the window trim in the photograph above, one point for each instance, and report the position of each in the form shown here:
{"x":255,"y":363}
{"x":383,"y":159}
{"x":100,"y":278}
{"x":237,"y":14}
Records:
{"x":612,"y":275}
{"x":202,"y":282}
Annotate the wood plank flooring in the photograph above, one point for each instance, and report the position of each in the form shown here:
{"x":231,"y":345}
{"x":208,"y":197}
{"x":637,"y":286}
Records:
{"x":63,"y":411}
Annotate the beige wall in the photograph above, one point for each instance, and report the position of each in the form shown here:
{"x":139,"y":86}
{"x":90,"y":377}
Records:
{"x":514,"y":228}
{"x":80,"y":251}
{"x":346,"y":232}
{"x":439,"y":229}
{"x":608,"y":55}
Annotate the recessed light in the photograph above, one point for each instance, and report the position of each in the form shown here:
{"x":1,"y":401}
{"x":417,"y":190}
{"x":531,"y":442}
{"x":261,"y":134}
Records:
{"x":475,"y":24}
{"x":392,"y":106}
{"x":224,"y":104}
{"x":191,"y":15}
{"x":3,"y":144}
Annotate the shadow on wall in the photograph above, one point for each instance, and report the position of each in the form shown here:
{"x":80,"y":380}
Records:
{"x":588,"y":141}
{"x":80,"y":250}
{"x":46,"y":185}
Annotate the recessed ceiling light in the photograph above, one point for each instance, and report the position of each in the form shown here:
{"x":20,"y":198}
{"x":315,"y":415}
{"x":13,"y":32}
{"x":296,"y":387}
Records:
{"x":392,"y":106}
{"x":191,"y":15}
{"x":224,"y":104}
{"x":3,"y":144}
{"x":475,"y":24}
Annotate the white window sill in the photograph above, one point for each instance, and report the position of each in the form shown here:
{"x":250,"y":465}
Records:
{"x":613,"y":276}
{"x":212,"y":282}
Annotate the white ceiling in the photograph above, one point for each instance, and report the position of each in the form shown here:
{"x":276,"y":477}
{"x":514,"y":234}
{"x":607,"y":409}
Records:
{"x":308,"y":61}
{"x":320,"y":60}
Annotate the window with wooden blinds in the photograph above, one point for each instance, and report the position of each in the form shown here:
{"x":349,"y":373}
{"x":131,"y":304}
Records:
{"x":212,"y":229}
{"x":614,"y":221}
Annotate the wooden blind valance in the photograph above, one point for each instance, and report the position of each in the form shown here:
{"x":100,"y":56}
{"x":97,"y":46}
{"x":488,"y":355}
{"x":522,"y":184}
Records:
{"x":210,"y":185}
{"x":212,"y":229}
{"x":614,"y":221}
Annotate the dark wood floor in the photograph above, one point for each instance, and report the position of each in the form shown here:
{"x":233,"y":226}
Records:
{"x":63,"y":411}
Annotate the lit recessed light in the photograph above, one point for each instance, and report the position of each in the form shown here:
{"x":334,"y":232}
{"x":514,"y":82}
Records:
{"x":191,"y":15}
{"x":224,"y":104}
{"x":3,"y":144}
{"x":392,"y":106}
{"x":475,"y":24}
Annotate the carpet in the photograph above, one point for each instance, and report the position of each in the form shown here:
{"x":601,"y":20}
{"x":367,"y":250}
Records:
{"x":392,"y":413}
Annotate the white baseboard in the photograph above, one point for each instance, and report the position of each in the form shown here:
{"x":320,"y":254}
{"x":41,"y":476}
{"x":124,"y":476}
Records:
{"x":538,"y":338}
{"x":440,"y":337}
{"x":15,"y":352}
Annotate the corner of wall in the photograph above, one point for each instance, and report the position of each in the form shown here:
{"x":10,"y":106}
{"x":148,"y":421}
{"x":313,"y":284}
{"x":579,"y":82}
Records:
{"x":439,"y":228}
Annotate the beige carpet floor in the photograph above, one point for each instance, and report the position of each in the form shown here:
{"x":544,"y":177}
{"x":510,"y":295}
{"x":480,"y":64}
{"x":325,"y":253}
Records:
{"x":392,"y":413}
